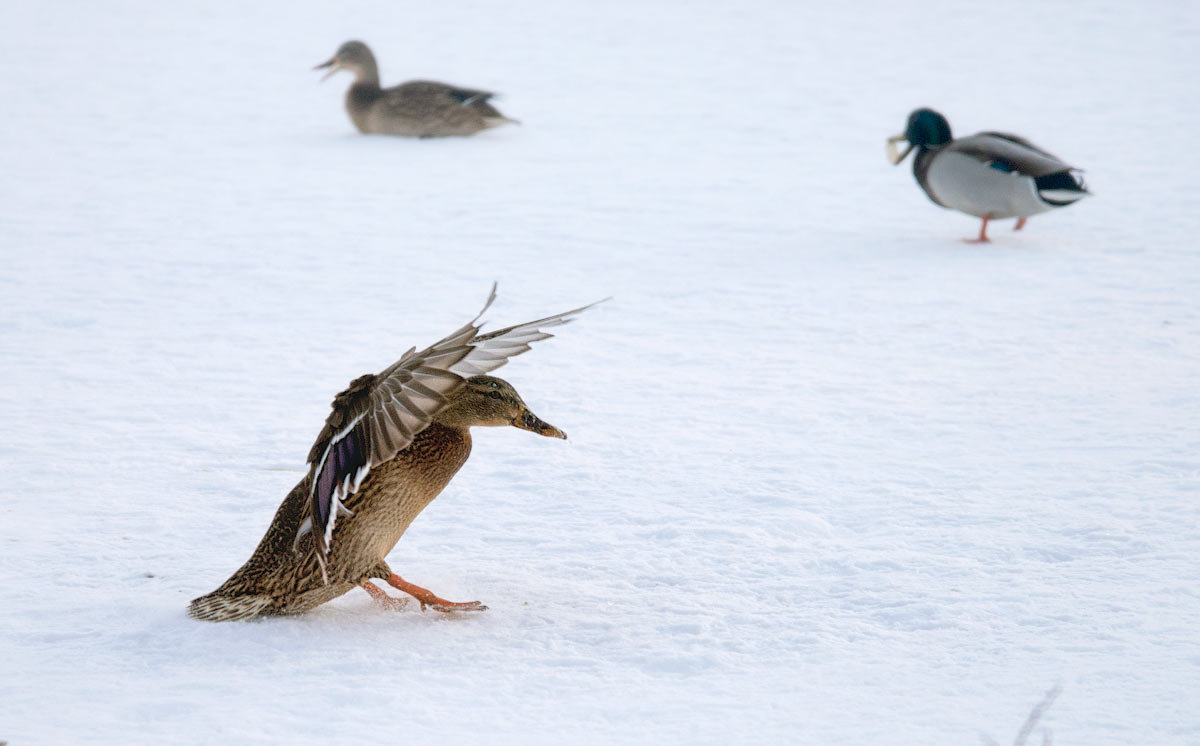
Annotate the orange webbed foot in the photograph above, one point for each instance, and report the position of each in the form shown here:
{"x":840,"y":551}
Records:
{"x":428,"y":599}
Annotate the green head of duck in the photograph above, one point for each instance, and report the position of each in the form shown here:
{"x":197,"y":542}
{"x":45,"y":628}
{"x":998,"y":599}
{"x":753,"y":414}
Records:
{"x":925,"y":129}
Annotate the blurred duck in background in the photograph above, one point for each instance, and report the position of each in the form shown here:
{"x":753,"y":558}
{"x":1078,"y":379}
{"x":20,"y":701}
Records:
{"x":990,"y":175}
{"x":418,"y":108}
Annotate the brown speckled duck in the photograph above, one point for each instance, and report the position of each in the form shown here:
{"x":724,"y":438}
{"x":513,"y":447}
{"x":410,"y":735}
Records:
{"x":418,"y":108}
{"x":391,"y":444}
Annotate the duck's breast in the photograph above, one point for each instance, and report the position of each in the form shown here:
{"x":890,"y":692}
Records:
{"x":395,"y":493}
{"x":361,"y":101}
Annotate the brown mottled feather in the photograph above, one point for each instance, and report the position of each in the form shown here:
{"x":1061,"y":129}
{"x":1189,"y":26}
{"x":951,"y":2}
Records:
{"x":284,"y":580}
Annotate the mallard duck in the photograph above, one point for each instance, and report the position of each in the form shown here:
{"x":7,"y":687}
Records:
{"x":418,"y":108}
{"x":988,"y":175}
{"x":391,"y":443}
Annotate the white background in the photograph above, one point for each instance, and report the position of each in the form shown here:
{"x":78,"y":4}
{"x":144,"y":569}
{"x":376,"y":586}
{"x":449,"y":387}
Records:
{"x":834,"y":476}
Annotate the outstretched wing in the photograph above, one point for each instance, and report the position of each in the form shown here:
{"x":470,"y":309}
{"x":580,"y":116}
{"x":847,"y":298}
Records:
{"x":379,"y":415}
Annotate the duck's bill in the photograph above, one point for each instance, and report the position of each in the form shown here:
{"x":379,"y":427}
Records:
{"x":534,"y":424}
{"x":332,"y":67}
{"x":893,"y":153}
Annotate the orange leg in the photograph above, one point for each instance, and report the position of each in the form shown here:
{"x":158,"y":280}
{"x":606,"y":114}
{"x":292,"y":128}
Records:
{"x":428,"y":598}
{"x":1020,"y":224}
{"x":982,"y":232}
{"x":383,"y":599}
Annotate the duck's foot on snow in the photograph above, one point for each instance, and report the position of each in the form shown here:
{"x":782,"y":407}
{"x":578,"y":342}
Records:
{"x":427,"y":598}
{"x":982,"y":233}
{"x":1020,"y":224}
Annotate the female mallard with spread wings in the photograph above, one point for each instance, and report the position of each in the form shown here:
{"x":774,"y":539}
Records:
{"x":988,"y":175}
{"x":390,"y":445}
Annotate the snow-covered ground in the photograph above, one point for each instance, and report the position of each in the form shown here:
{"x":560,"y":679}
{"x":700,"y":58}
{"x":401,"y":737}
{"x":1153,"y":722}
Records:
{"x":834,"y":476}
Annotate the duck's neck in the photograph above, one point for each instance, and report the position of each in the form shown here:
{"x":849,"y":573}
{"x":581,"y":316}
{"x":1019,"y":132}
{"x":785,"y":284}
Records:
{"x":367,"y":74}
{"x":456,"y":416}
{"x":923,"y":159}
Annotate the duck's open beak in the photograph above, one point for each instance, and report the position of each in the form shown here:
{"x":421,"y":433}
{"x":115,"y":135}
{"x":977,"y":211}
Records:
{"x":333,"y":66}
{"x":534,"y":424}
{"x":893,"y":153}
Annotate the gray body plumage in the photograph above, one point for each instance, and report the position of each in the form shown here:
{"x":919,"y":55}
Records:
{"x":993,"y":175}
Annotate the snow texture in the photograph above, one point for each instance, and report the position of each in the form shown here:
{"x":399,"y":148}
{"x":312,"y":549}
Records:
{"x":834,"y":476}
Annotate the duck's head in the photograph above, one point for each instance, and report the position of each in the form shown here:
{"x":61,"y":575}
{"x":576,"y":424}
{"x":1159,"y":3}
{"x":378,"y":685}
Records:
{"x":487,"y":401}
{"x":926,"y":129}
{"x":353,"y":56}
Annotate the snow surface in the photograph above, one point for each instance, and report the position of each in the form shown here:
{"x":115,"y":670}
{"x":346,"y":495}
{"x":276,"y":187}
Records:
{"x":834,"y":476}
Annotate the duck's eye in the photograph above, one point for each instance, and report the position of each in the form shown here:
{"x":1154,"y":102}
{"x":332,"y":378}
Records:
{"x":493,"y":384}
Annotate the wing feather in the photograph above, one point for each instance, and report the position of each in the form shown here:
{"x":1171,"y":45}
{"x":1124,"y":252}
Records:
{"x":378,"y":416}
{"x":1012,"y":152}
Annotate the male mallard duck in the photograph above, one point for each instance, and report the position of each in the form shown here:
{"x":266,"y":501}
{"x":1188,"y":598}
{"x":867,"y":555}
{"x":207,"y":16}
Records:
{"x":418,"y":108}
{"x":988,"y":175}
{"x":391,"y":444}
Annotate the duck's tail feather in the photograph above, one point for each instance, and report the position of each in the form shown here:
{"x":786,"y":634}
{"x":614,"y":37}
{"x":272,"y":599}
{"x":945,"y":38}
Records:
{"x":491,"y":115}
{"x":1062,"y":187}
{"x":498,"y":120}
{"x":218,"y":607}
